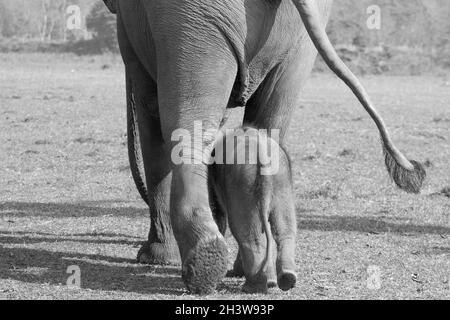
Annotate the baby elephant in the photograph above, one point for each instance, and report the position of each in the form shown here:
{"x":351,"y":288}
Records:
{"x":254,"y":189}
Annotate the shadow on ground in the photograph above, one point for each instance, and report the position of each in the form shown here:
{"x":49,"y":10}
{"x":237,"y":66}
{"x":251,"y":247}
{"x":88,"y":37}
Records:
{"x":366,"y":225}
{"x":306,"y":222}
{"x":97,"y":272}
{"x":20,"y":262}
{"x":77,"y":210}
{"x":18,"y":237}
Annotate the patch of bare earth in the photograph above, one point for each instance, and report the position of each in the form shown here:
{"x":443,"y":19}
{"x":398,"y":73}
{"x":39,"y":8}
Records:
{"x":67,"y":198}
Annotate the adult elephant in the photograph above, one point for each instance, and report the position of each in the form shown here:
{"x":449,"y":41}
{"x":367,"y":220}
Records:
{"x":188,"y":60}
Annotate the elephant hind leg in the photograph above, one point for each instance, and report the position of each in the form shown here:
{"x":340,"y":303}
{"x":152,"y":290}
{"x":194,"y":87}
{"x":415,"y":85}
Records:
{"x":193,"y":92}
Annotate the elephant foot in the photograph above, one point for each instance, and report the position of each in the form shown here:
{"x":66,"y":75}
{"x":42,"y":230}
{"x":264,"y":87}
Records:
{"x":205,"y":266}
{"x":287,"y":280}
{"x":158,"y":254}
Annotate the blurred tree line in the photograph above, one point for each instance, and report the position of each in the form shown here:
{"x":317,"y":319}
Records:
{"x":47,"y":21}
{"x":404,"y":22}
{"x":413,"y":23}
{"x":37,"y":19}
{"x":419,"y":26}
{"x":413,"y":34}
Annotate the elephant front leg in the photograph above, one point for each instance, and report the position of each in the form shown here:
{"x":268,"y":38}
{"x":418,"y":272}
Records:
{"x":238,"y":269}
{"x":161,"y":247}
{"x":143,"y":115}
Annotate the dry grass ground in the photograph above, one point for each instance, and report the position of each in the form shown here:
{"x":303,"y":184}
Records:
{"x":67,"y":198}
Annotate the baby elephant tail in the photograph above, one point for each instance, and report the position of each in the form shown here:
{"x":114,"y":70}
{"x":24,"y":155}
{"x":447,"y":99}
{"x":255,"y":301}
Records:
{"x":265,"y":198}
{"x":285,"y":266}
{"x":264,"y":211}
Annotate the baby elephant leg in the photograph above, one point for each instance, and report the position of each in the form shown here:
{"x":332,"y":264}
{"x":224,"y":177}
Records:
{"x":284,"y":228}
{"x":257,"y":257}
{"x":238,"y":270}
{"x":247,"y":195}
{"x":248,"y":231}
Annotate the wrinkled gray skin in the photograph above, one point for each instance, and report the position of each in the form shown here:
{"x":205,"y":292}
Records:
{"x":188,"y":60}
{"x":250,"y":200}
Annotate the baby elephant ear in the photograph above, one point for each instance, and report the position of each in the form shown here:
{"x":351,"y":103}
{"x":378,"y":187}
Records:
{"x":112,"y":5}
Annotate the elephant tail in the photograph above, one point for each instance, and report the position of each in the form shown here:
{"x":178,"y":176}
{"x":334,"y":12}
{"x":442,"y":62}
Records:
{"x":134,"y":146}
{"x":408,"y":175}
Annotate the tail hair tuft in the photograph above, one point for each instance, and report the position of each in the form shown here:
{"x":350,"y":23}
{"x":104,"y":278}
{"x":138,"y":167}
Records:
{"x":410,"y":181}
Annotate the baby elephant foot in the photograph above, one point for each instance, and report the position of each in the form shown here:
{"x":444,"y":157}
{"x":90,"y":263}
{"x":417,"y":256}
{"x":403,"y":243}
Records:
{"x":258,"y":284}
{"x":272,"y":283}
{"x":287,"y":280}
{"x":205,"y":266}
{"x":259,"y":287}
{"x":158,"y":254}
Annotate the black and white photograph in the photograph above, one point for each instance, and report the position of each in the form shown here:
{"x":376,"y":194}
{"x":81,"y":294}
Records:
{"x":242,"y":151}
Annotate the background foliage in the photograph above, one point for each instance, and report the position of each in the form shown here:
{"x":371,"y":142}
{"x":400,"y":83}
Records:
{"x":414,"y":35}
